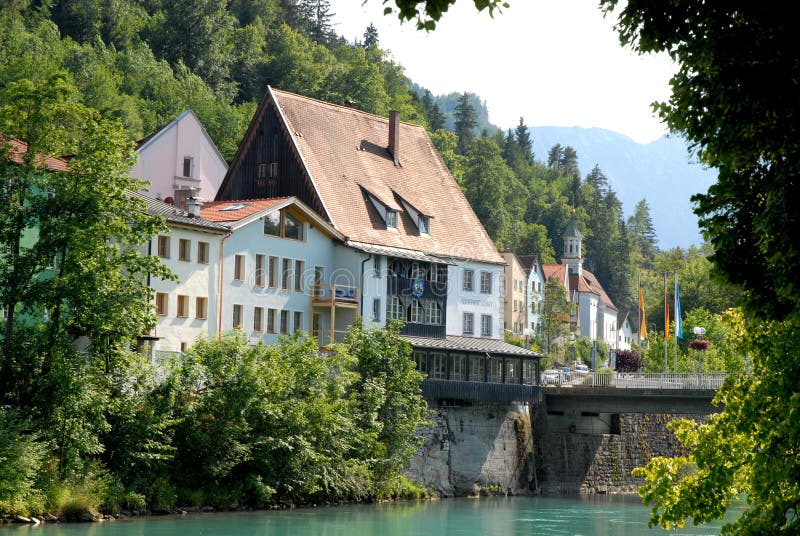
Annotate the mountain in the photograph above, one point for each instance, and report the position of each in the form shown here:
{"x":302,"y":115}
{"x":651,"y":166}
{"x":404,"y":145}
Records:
{"x":662,"y":172}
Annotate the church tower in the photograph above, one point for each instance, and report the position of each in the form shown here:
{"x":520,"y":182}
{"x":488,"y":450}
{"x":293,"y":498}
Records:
{"x":572,"y":248}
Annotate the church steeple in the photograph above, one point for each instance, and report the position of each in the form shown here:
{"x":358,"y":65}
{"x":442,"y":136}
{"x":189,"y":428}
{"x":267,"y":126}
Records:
{"x":572,"y":248}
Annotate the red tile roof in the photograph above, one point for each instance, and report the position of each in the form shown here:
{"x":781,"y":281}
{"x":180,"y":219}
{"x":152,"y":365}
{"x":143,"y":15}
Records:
{"x":215,"y":210}
{"x":557,"y":270}
{"x":344,"y":151}
{"x":589,"y":282}
{"x":528,"y":261}
{"x":19,"y":148}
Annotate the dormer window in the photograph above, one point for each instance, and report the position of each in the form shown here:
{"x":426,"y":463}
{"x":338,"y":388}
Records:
{"x":188,"y":165}
{"x":391,"y":219}
{"x":423,"y":223}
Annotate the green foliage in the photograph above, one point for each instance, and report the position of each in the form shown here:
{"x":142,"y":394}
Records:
{"x":22,"y":457}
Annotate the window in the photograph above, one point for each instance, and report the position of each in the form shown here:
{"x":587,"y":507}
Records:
{"x":183,"y":306}
{"x":486,"y":325}
{"x":421,"y":359}
{"x":238,"y":268}
{"x":184,"y":346}
{"x":416,"y":271}
{"x":316,"y":324}
{"x":438,"y":365}
{"x":273,"y":170}
{"x":161,"y":303}
{"x":273,"y":271}
{"x":515,"y":306}
{"x":486,"y":283}
{"x":292,"y":227}
{"x":163,"y":246}
{"x":434,"y":313}
{"x":423,"y":225}
{"x":188,"y":165}
{"x":201,"y":308}
{"x":298,"y":276}
{"x":284,"y":322}
{"x":476,"y":368}
{"x":258,"y":319}
{"x":270,"y":320}
{"x":237,"y":315}
{"x":376,"y":266}
{"x":469,"y":276}
{"x":376,"y":310}
{"x":202,"y":252}
{"x":391,"y":219}
{"x":286,"y":275}
{"x":395,"y":308}
{"x":415,"y":311}
{"x":468,"y":320}
{"x":272,"y":224}
{"x":439,"y":273}
{"x":298,"y":321}
{"x":262,"y":170}
{"x":259,"y":278}
{"x":458,"y":367}
{"x":184,"y":249}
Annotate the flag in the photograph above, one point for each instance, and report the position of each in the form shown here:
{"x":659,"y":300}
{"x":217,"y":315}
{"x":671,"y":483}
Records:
{"x":642,"y":320}
{"x":678,"y":326}
{"x":666,"y":312}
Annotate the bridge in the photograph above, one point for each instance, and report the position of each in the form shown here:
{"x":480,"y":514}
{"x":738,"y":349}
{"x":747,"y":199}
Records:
{"x":608,"y":392}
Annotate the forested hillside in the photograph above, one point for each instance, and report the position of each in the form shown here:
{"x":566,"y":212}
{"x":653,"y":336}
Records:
{"x":143,"y":62}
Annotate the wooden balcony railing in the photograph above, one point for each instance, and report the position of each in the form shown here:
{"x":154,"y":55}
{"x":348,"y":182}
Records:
{"x":337,"y":295}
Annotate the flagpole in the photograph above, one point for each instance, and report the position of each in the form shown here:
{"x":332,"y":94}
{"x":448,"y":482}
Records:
{"x":640,"y":311}
{"x":666,"y":326}
{"x":676,"y":324}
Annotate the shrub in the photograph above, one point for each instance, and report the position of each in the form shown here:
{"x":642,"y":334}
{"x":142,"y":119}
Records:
{"x":22,"y":455}
{"x":628,"y":361}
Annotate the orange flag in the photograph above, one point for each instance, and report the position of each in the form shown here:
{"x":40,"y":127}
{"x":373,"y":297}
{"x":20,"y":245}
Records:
{"x":643,"y":321}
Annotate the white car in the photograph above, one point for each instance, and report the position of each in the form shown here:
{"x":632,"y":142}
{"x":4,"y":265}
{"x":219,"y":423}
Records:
{"x":551,"y":376}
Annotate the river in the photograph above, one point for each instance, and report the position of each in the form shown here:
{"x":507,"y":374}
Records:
{"x":572,"y":516}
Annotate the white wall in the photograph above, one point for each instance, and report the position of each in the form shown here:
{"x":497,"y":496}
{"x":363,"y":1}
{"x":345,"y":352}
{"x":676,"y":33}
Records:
{"x":460,"y":301}
{"x":194,"y":280}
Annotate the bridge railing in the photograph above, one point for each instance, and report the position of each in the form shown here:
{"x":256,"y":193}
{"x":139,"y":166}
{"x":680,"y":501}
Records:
{"x":645,"y":380}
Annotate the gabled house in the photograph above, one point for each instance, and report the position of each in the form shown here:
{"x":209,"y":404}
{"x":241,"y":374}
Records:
{"x":535,"y":283}
{"x":418,"y":251}
{"x":627,"y":331}
{"x":180,"y":161}
{"x":596,"y":314}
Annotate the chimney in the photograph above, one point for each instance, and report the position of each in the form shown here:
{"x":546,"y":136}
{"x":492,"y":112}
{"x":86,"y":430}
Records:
{"x":394,"y":135}
{"x":193,"y":207}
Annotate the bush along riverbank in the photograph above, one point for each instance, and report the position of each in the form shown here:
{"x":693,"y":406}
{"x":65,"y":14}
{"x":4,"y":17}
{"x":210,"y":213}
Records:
{"x":224,"y":426}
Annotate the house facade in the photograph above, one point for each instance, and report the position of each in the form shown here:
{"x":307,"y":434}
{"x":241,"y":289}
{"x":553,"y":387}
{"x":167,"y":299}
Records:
{"x":180,"y":161}
{"x":535,"y":283}
{"x":416,"y":250}
{"x":515,"y":295}
{"x":185,"y":309}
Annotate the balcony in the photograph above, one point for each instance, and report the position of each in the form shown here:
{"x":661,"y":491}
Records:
{"x":404,"y":286}
{"x":334,"y":296}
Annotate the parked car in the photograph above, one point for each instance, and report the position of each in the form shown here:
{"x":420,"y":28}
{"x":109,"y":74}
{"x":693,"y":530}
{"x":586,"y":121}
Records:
{"x":550,"y":376}
{"x":566,"y":374}
{"x":581,"y":369}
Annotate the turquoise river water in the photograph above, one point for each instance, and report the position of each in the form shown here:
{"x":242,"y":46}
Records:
{"x":585,"y":516}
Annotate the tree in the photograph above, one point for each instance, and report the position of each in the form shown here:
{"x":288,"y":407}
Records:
{"x":642,"y":233}
{"x":556,"y":316}
{"x":524,"y":140}
{"x":465,"y":122}
{"x":371,"y":36}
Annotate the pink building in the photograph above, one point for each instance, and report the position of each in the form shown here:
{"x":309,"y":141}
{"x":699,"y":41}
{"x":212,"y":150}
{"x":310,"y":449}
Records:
{"x":180,"y":161}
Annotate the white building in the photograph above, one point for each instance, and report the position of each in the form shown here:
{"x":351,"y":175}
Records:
{"x":596,"y":314}
{"x":180,"y":161}
{"x":418,"y":252}
{"x":186,"y":309}
{"x":535,"y":283}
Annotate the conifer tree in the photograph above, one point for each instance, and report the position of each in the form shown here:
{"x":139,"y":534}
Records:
{"x":466,"y":121}
{"x":524,"y":140}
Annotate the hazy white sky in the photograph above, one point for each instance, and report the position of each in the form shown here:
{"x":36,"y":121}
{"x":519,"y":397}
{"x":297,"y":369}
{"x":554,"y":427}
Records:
{"x":553,"y":62}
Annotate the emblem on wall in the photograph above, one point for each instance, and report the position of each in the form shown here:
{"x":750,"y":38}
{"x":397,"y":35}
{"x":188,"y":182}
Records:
{"x":418,"y":287}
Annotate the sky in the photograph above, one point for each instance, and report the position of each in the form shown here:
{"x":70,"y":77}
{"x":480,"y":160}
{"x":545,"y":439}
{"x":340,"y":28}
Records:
{"x":552,"y":62}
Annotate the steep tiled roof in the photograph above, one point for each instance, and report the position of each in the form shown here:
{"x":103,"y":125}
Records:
{"x":557,"y":270}
{"x":173,"y":214}
{"x":19,"y":148}
{"x":231,"y":211}
{"x":589,"y":283}
{"x":345,"y":153}
{"x":528,"y":261}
